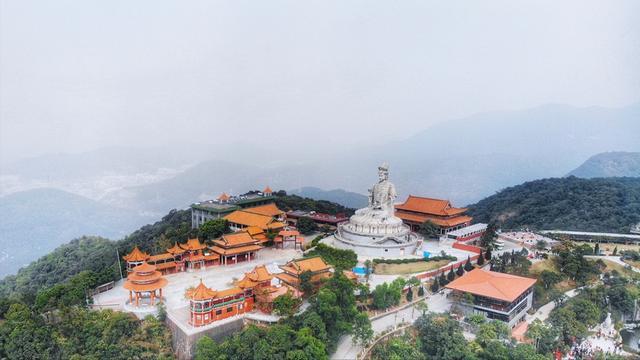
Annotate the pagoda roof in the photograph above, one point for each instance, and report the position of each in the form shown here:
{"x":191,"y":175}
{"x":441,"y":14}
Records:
{"x":145,"y":277}
{"x":201,"y":292}
{"x":267,"y":190}
{"x":235,"y":250}
{"x":419,"y":218}
{"x":267,"y":209}
{"x":158,"y":284}
{"x":429,"y":206}
{"x":175,"y":249}
{"x":136,"y":255}
{"x":248,"y":218}
{"x":239,"y":238}
{"x":193,"y":245}
{"x":259,"y":274}
{"x":246,"y":283}
{"x":143,"y":268}
{"x":492,"y":284}
{"x":224,"y":197}
{"x":160,"y":257}
{"x":313,"y":264}
{"x":254,"y":230}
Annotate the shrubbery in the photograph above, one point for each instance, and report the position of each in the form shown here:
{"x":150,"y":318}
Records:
{"x":409,"y":261}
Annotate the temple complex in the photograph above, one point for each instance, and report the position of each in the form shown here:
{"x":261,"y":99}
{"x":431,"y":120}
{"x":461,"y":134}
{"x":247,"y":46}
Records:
{"x":207,"y":305}
{"x":235,"y":247}
{"x":416,"y":210}
{"x":225,"y":204}
{"x":292,"y":270}
{"x":145,"y":282}
{"x":375,"y":231}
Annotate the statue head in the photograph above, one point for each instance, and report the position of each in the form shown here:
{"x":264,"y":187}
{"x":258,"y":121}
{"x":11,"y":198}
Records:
{"x":383,"y":171}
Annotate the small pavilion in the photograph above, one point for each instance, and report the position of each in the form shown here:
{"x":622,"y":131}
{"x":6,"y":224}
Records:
{"x":145,"y":281}
{"x":258,"y":283}
{"x":134,"y":258}
{"x":235,"y":247}
{"x":289,"y":236}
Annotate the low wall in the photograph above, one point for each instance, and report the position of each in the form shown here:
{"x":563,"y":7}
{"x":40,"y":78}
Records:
{"x":465,"y":247}
{"x":184,"y":345}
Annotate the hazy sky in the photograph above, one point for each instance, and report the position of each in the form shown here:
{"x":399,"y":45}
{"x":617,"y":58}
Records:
{"x":78,"y":75}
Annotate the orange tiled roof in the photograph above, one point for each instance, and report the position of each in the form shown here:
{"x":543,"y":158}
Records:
{"x":230,"y":292}
{"x":201,"y":292}
{"x":289,"y":233}
{"x":418,"y":218}
{"x":160,"y":283}
{"x":492,"y":284}
{"x":254,"y":230}
{"x":160,"y":257}
{"x":224,"y":197}
{"x":175,"y":249}
{"x":236,"y":250}
{"x":429,"y":206}
{"x":145,"y":267}
{"x":144,"y":278}
{"x":247,"y":218}
{"x":136,"y":255}
{"x":267,"y":190}
{"x":314,"y":264}
{"x":350,"y":275}
{"x":288,"y":278}
{"x":259,"y":274}
{"x":193,"y":245}
{"x":236,"y":239}
{"x":166,"y":265}
{"x":246,"y":283}
{"x":268,"y":210}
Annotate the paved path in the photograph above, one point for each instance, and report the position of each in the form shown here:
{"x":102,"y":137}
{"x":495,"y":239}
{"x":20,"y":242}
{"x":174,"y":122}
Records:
{"x":543,"y":312}
{"x":615,"y":259}
{"x":346,"y":349}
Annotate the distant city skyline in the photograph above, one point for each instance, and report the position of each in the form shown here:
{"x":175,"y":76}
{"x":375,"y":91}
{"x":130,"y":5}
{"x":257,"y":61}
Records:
{"x":321,"y":75}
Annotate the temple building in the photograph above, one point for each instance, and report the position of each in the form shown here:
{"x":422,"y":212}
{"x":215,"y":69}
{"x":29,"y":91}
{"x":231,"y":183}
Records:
{"x":290,"y":237}
{"x":265,"y":217}
{"x":207,"y":305}
{"x":416,"y":210}
{"x":293,"y":269}
{"x":145,"y":282}
{"x":495,"y":295}
{"x":134,"y":258}
{"x":225,"y":204}
{"x":196,"y":257}
{"x":235,"y":247}
{"x":259,"y":280}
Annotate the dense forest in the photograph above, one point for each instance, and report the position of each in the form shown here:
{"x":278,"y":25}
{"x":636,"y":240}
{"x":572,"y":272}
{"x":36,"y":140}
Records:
{"x":601,"y":204}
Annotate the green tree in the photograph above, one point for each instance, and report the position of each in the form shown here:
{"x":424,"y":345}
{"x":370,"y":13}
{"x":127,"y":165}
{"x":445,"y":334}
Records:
{"x":488,"y":238}
{"x":399,"y":348}
{"x":306,"y":285}
{"x":615,"y":251}
{"x":460,"y":271}
{"x":480,"y":260}
{"x":213,"y":229}
{"x":24,"y":335}
{"x":451,"y":275}
{"x":207,"y":349}
{"x":596,"y":249}
{"x":549,"y":278}
{"x":421,"y":291}
{"x":362,"y":331}
{"x":410,"y":295}
{"x":543,"y":335}
{"x":428,"y":229}
{"x":441,"y":338}
{"x":286,"y":304}
{"x":306,"y":226}
{"x":467,"y":265}
{"x":309,"y":345}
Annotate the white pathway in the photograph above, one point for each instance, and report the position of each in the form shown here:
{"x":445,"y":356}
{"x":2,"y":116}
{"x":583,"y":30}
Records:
{"x":347,"y":350}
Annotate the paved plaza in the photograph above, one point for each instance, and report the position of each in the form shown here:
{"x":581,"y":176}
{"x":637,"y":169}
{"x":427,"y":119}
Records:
{"x":218,"y":277}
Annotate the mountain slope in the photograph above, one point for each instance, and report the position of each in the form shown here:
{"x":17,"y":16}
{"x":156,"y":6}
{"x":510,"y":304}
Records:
{"x":34,"y":222}
{"x":603,"y":204}
{"x":342,"y":197}
{"x":609,"y":164}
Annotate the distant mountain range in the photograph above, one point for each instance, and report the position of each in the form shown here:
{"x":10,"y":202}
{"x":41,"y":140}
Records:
{"x":346,"y":198}
{"x":35,"y":222}
{"x":601,"y":204}
{"x":610,"y":164}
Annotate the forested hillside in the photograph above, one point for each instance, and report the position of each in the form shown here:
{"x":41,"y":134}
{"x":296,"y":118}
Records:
{"x":603,"y":204}
{"x":610,"y":164}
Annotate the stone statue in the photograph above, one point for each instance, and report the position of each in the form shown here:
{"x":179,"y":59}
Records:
{"x":383,"y":193}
